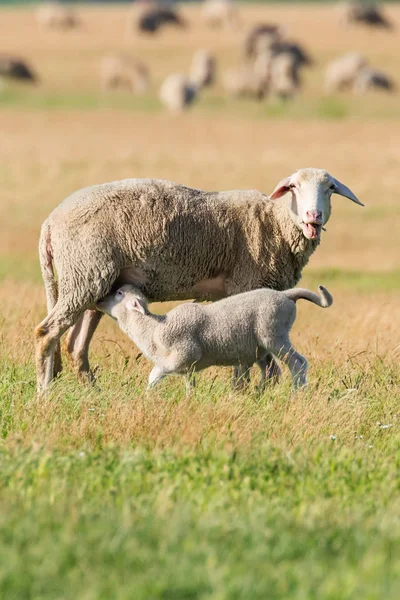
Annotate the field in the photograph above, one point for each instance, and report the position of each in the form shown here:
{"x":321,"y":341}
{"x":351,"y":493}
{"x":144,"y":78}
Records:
{"x":109,"y":492}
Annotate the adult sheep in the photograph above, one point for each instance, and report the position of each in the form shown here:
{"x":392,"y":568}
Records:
{"x":174,"y":243}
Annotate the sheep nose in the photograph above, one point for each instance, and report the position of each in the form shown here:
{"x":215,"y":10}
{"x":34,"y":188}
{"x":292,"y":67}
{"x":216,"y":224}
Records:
{"x":314,"y":216}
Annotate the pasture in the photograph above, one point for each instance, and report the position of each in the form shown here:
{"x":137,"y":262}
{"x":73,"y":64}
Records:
{"x":109,"y":492}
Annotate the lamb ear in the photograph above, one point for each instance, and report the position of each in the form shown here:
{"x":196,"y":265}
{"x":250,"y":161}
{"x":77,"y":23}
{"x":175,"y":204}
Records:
{"x":343,"y":190}
{"x":134,"y":304}
{"x":281,"y":189}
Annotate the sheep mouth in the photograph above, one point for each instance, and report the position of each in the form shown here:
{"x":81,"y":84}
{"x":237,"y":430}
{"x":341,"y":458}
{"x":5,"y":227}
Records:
{"x":311,"y":231}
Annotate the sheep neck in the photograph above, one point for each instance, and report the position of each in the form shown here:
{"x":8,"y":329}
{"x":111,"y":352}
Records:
{"x":141,"y":328}
{"x":295,"y":248}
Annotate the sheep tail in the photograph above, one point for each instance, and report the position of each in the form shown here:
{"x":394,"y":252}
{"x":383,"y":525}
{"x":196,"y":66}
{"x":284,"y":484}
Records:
{"x":323,"y":300}
{"x":46,"y":266}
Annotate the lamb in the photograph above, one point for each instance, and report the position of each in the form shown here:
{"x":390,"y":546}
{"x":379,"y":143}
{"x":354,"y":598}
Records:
{"x":240,"y":330}
{"x":174,"y":243}
{"x":177,"y":93}
{"x":54,"y":15}
{"x":124,"y":72}
{"x":202,"y":69}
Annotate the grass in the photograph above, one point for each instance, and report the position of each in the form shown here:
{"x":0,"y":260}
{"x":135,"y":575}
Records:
{"x":109,"y":492}
{"x":214,"y":496}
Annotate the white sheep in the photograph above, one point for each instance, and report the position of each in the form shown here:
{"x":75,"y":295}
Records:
{"x":174,"y":243}
{"x":248,"y":79}
{"x":124,"y":72}
{"x":220,"y":13}
{"x":202,"y":69}
{"x":342,"y":72}
{"x":177,"y":93}
{"x":240,"y":330}
{"x":54,"y":15}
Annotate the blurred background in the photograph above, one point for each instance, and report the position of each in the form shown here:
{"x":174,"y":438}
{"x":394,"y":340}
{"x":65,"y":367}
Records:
{"x":216,"y":95}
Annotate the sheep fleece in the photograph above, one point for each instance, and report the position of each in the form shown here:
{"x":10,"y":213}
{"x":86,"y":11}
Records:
{"x":166,"y":238}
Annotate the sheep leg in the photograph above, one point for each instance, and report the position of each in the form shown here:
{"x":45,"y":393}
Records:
{"x":156,"y":375}
{"x":78,"y":341}
{"x":297,"y":364}
{"x":241,"y":377}
{"x":269,"y":370}
{"x":47,"y":336}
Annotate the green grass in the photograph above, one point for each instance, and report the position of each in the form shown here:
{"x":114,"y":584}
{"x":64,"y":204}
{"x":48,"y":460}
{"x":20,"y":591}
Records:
{"x":84,"y":516}
{"x":325,"y":108}
{"x":207,"y":524}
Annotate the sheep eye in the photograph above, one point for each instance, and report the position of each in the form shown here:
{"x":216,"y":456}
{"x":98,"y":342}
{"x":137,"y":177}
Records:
{"x":119,"y":293}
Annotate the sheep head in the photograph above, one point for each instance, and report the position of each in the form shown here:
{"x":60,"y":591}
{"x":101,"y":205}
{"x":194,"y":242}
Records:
{"x":310,"y":206}
{"x":120,"y":303}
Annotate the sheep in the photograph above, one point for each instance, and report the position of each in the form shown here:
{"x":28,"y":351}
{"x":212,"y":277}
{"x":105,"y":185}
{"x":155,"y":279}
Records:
{"x":124,"y":72}
{"x":342,"y":72}
{"x":174,"y":243}
{"x":202,"y":69}
{"x":54,"y":15}
{"x":240,"y":330}
{"x":369,"y":78}
{"x":220,"y":13}
{"x":246,"y":80}
{"x":260,"y":38}
{"x":299,"y":56}
{"x":15,"y":68}
{"x":155,"y":17}
{"x":269,"y":74}
{"x":284,"y":77}
{"x":360,"y":12}
{"x":177,"y":93}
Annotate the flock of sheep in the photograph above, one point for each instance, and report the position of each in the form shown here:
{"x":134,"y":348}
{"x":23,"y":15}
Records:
{"x":271,"y":65}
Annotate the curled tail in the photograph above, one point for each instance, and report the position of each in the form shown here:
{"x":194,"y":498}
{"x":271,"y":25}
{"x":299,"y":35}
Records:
{"x":46,"y":266}
{"x":323,"y":300}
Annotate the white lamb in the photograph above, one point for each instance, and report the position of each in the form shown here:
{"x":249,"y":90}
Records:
{"x":237,"y":331}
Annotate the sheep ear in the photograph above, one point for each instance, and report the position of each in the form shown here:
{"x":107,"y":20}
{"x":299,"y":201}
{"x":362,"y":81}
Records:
{"x":135,"y":305}
{"x":281,"y":189}
{"x":343,"y":190}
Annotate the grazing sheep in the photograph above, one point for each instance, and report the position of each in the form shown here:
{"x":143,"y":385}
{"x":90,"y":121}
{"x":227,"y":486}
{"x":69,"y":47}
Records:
{"x":368,"y":79}
{"x":15,"y":68}
{"x":202,"y":69}
{"x":54,"y":15}
{"x":248,"y":79}
{"x":284,"y":79}
{"x":342,"y":72}
{"x":155,"y":17}
{"x":240,"y":330}
{"x":297,"y":53}
{"x":124,"y":72}
{"x":360,"y":12}
{"x":220,"y":13}
{"x":174,"y":243}
{"x":177,"y":93}
{"x":260,"y":39}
